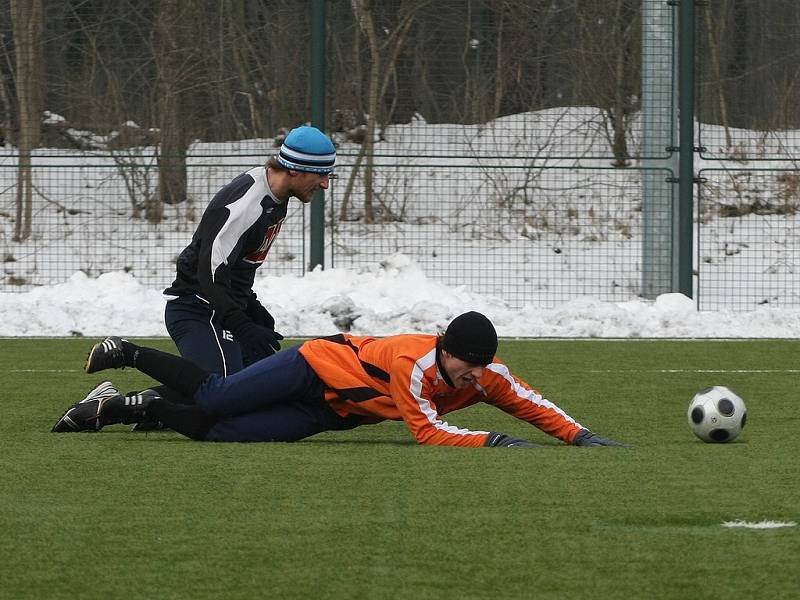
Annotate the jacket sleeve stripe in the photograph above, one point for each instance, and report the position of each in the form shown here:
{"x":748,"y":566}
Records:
{"x":424,"y":404}
{"x":526,"y":394}
{"x":244,"y":212}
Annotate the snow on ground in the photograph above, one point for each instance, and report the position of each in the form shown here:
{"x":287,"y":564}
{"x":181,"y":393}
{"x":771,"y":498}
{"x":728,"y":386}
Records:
{"x":394,"y":296}
{"x":545,"y":246}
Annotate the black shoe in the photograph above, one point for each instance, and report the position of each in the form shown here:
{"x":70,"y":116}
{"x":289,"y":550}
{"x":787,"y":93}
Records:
{"x":105,"y":355}
{"x":128,"y":409}
{"x":85,"y":415}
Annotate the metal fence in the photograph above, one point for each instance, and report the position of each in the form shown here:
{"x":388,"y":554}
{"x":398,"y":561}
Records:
{"x":531,"y":156}
{"x":748,"y":148}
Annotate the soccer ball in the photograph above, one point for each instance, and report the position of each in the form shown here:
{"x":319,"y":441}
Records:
{"x":716,"y":414}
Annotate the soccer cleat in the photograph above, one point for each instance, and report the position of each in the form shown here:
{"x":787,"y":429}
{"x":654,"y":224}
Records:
{"x":85,"y":415}
{"x":131,"y":408}
{"x":107,"y":354}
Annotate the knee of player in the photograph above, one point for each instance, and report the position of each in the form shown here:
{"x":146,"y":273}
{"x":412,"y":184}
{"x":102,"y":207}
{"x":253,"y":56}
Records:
{"x":210,"y":395}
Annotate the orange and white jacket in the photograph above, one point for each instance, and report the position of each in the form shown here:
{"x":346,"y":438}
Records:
{"x":398,"y":378}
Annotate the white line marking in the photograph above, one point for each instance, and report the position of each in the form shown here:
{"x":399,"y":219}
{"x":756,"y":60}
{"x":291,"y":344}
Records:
{"x":42,"y":371}
{"x":590,"y":370}
{"x":694,"y":370}
{"x":759,"y":524}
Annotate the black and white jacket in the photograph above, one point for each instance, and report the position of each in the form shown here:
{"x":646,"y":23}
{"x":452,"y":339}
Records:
{"x":232,"y":240}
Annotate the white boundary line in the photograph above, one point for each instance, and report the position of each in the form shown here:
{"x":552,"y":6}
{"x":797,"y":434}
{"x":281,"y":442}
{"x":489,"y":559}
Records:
{"x":745,"y":371}
{"x":759,"y":524}
{"x":512,"y":338}
{"x":693,"y":371}
{"x":41,"y":370}
{"x":646,"y":339}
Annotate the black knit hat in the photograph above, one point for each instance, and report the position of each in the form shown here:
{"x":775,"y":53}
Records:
{"x":472,"y":338}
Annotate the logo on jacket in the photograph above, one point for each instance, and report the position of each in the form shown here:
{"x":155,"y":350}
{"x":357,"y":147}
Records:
{"x":260,"y":255}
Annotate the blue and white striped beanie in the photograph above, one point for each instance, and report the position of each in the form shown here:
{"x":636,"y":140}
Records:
{"x":307,"y":149}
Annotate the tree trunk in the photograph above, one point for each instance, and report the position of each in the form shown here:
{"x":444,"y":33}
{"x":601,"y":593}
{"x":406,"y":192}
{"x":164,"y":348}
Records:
{"x":172,"y":150}
{"x":714,"y":37}
{"x":364,"y":13}
{"x":356,"y":73}
{"x":348,"y":191}
{"x":620,"y":108}
{"x":499,"y":68}
{"x":6,"y":102}
{"x":28,"y":23}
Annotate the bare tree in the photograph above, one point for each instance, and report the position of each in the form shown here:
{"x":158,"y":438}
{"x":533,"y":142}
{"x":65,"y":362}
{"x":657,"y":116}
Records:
{"x":172,"y":146}
{"x":6,"y":92}
{"x":28,"y":22}
{"x":364,"y":11}
{"x":715,"y":32}
{"x":383,"y":51}
{"x":610,"y":64}
{"x":499,"y":66}
{"x":349,"y":118}
{"x":622,"y":105}
{"x":529,"y":68}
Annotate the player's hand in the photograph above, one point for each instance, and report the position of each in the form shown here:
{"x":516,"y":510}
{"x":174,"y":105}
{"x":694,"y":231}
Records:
{"x":501,"y":440}
{"x":258,"y":314}
{"x":587,"y":438}
{"x":257,"y":341}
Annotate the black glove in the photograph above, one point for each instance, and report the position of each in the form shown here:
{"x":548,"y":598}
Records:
{"x":258,"y":314}
{"x":587,"y":438}
{"x":256,"y":341}
{"x":498,"y":440}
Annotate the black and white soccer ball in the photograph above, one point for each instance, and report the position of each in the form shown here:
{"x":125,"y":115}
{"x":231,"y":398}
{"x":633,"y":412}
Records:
{"x":716,"y":414}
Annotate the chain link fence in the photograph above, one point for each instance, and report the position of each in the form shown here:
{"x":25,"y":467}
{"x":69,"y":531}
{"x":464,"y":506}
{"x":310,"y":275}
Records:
{"x":524,"y":150}
{"x":748,"y":137}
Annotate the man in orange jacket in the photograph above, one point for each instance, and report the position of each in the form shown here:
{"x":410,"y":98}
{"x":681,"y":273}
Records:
{"x":333,"y":383}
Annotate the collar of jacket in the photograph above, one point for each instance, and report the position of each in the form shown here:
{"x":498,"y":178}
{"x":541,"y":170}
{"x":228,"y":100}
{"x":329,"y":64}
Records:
{"x":440,"y":366}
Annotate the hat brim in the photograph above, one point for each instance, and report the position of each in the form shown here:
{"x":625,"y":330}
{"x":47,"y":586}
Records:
{"x":295,"y":166}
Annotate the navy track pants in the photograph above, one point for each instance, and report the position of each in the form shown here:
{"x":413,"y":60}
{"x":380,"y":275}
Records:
{"x":200,"y":337}
{"x":277,"y":399}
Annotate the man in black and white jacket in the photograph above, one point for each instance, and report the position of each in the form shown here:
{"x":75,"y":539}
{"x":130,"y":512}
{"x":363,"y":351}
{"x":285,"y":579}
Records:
{"x":212,"y":313}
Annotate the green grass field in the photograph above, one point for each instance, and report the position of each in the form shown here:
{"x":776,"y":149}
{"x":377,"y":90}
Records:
{"x":369,"y":514}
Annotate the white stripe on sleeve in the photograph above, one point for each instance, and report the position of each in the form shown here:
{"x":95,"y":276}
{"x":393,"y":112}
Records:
{"x":243,"y":213}
{"x":526,"y":394}
{"x":415,"y":388}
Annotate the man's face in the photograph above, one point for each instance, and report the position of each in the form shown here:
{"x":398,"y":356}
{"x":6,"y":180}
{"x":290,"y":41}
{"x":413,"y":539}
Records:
{"x":304,"y":184}
{"x":461,"y":373}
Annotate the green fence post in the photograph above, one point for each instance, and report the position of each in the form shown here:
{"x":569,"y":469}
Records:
{"x":317,"y":242}
{"x":686,"y":165}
